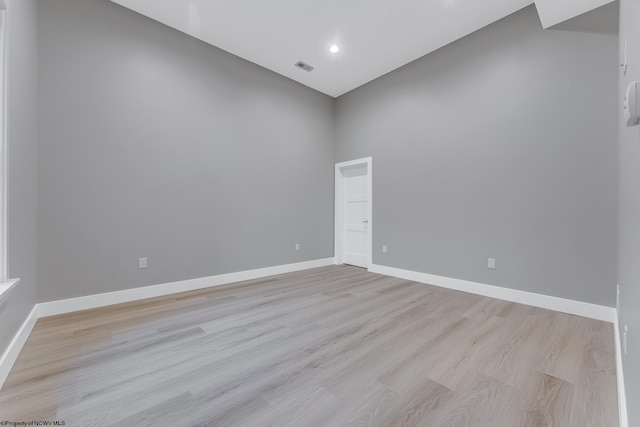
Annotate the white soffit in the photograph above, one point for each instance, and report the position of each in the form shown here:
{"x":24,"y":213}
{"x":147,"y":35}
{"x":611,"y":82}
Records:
{"x":553,"y":12}
{"x":374,"y":36}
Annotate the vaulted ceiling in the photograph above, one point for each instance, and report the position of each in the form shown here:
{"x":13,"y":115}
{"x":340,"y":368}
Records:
{"x":373,"y":37}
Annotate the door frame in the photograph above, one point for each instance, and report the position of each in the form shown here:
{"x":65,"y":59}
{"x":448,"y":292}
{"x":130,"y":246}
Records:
{"x":339,"y":209}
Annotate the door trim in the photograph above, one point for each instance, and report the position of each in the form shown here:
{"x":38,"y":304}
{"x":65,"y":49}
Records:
{"x":339,"y":208}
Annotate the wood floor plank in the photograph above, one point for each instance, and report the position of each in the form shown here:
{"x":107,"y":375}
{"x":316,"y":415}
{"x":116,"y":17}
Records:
{"x":489,"y":403}
{"x":331,"y":346}
{"x":171,"y":412}
{"x":370,"y":406}
{"x":421,"y":404}
{"x":550,"y":403}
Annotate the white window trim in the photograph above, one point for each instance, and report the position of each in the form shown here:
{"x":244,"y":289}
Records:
{"x":6,"y":285}
{"x":5,"y":289}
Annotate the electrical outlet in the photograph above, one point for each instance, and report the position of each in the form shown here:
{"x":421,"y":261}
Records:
{"x":297,"y":247}
{"x":384,"y":249}
{"x":142,"y":263}
{"x":491,"y":263}
{"x":624,"y":340}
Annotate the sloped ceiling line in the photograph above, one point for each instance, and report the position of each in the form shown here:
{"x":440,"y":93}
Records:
{"x":374,"y":36}
{"x":553,"y":12}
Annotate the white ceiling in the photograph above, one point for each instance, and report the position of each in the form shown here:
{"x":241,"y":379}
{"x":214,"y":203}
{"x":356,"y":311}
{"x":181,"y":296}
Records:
{"x":553,"y":12}
{"x":374,"y":36}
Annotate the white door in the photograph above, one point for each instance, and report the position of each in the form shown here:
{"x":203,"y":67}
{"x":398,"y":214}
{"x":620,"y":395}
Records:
{"x":356,"y":215}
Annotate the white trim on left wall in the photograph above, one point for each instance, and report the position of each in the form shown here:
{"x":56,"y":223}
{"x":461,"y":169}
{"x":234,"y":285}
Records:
{"x":622,"y":396}
{"x":4,"y":149}
{"x":15,"y":346}
{"x":110,"y":298}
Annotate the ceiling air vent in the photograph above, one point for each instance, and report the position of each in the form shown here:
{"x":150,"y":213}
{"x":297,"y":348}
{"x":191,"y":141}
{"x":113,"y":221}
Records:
{"x":304,"y":66}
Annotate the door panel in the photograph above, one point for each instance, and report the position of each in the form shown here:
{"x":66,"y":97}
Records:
{"x":356,"y":221}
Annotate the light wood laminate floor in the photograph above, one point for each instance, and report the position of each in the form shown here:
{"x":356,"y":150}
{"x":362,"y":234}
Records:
{"x":333,"y":346}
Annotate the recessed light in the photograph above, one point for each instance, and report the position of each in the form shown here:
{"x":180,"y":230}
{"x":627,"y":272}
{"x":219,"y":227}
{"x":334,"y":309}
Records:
{"x":334,"y":49}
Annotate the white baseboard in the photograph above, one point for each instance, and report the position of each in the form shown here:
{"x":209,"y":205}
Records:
{"x":622,"y":396}
{"x":593,"y":311}
{"x":101,"y":300}
{"x":15,"y":346}
{"x":110,"y":298}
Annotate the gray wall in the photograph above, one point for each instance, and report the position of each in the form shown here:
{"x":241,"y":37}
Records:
{"x":154,"y":144}
{"x":499,"y":145}
{"x":22,"y":144}
{"x":629,"y":214}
